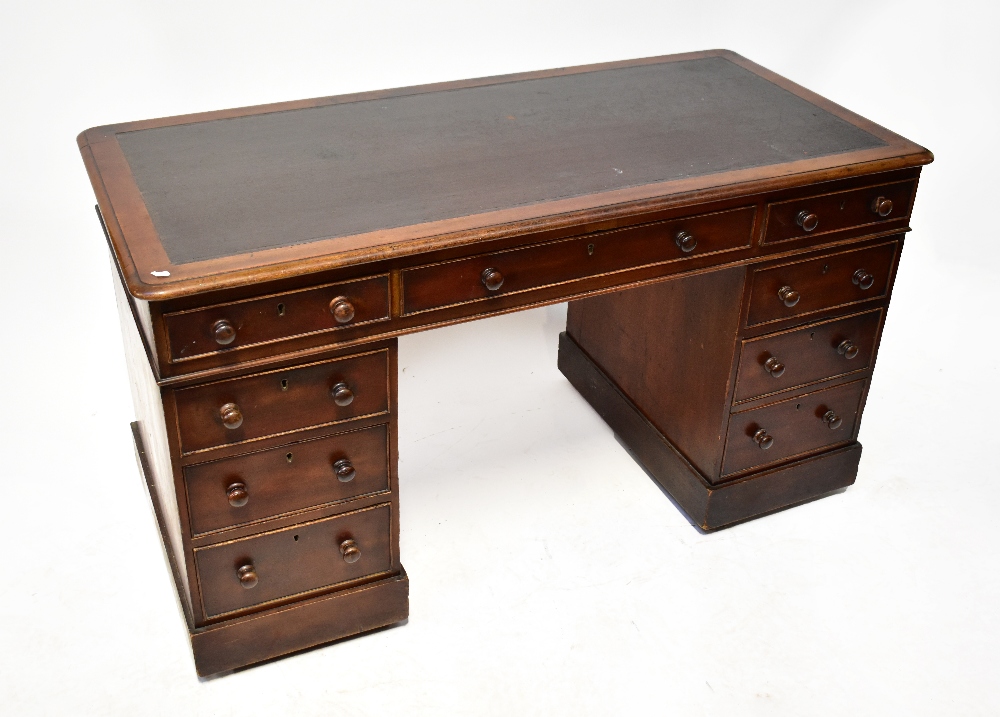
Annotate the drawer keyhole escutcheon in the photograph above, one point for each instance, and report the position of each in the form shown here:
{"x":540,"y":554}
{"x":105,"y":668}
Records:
{"x":237,"y":494}
{"x":863,"y":279}
{"x":686,"y":241}
{"x":789,"y":296}
{"x":247,"y":575}
{"x":832,"y":420}
{"x":492,"y":279}
{"x":762,"y":439}
{"x":807,"y":220}
{"x":590,"y":249}
{"x":224,"y":332}
{"x":342,"y":394}
{"x":344,"y":470}
{"x":774,"y":367}
{"x":342,"y":310}
{"x":288,"y":457}
{"x":882,"y":206}
{"x":848,"y":349}
{"x":284,"y":384}
{"x":232,"y":417}
{"x":350,"y":550}
{"x":281,"y":309}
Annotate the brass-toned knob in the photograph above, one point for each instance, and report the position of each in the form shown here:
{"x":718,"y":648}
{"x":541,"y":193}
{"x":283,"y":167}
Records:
{"x":685,"y":241}
{"x":774,"y":367}
{"x":807,"y":220}
{"x":863,"y":279}
{"x":789,"y":296}
{"x":847,"y":348}
{"x":231,"y":416}
{"x":342,"y":309}
{"x":832,"y":420}
{"x":492,"y":279}
{"x":224,"y":332}
{"x":237,"y":494}
{"x":344,"y":470}
{"x":342,"y":394}
{"x":882,"y":206}
{"x":762,"y":439}
{"x":350,"y":550}
{"x":247,"y":575}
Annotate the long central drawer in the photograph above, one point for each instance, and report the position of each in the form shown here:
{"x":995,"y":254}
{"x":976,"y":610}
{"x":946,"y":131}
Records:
{"x":524,"y":268}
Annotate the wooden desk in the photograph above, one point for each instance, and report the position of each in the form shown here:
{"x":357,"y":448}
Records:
{"x":727,"y":241}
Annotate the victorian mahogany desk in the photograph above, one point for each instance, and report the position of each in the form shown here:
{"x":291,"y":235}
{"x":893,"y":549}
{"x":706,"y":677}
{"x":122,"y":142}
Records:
{"x":727,"y":241}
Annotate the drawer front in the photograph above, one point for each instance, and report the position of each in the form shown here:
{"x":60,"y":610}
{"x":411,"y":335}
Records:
{"x":226,"y":327}
{"x":275,"y":402}
{"x":795,"y":426}
{"x":239,"y":490}
{"x":828,"y":281}
{"x":822,"y":214}
{"x":525,"y":268}
{"x":777,"y":362}
{"x":293,"y":561}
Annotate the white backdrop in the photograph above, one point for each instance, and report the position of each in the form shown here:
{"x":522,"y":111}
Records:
{"x":549,"y":575}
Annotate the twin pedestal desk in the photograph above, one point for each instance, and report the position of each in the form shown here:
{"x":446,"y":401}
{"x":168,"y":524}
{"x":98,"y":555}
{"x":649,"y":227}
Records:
{"x":727,"y":241}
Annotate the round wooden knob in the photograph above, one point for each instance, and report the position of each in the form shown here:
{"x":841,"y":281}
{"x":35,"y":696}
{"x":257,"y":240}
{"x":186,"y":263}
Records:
{"x":492,"y":279}
{"x":350,"y":550}
{"x":863,"y":279}
{"x":342,"y":309}
{"x":224,"y":332}
{"x":807,"y":220}
{"x":789,"y":296}
{"x":847,"y":348}
{"x":247,"y":575}
{"x":762,"y":439}
{"x":832,"y":420}
{"x":882,"y":206}
{"x":237,"y":494}
{"x":774,"y":367}
{"x":344,"y":470}
{"x":342,"y":394}
{"x":231,"y":416}
{"x":685,"y":241}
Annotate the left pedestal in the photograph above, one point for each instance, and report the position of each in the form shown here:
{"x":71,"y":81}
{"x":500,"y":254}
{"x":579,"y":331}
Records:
{"x":274,"y":487}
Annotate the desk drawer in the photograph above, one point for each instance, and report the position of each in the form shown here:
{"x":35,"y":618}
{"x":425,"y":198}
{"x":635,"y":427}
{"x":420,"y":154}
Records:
{"x":792,"y":427}
{"x":266,"y":404}
{"x":525,"y":268}
{"x":295,"y":560}
{"x":777,"y":362}
{"x":822,"y":214}
{"x":226,"y":327}
{"x":252,"y":487}
{"x":828,"y":281}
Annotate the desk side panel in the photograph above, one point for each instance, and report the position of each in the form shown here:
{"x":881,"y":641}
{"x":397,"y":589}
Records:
{"x":148,"y":403}
{"x":669,"y":347}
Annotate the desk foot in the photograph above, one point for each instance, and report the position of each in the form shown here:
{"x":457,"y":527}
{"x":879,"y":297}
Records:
{"x":261,"y":636}
{"x":709,"y":506}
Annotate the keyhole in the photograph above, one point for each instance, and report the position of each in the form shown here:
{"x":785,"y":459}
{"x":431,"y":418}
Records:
{"x":281,"y":309}
{"x":590,"y":250}
{"x":284,"y":384}
{"x":826,"y":268}
{"x":296,"y":538}
{"x":842,"y":205}
{"x":811,"y":335}
{"x":288,"y":457}
{"x":798,"y":406}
